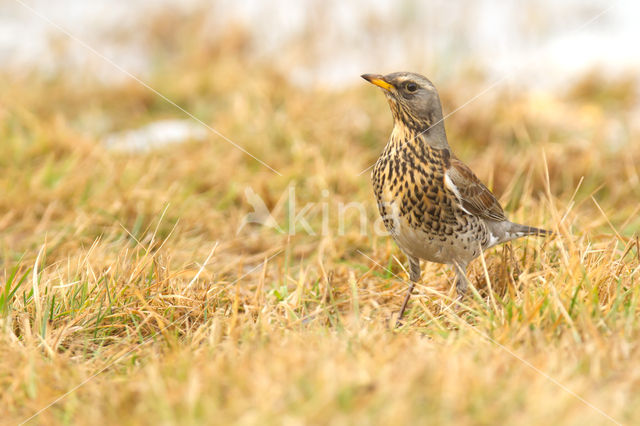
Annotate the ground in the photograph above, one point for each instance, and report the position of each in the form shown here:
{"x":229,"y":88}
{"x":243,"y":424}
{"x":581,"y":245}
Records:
{"x":133,"y":290}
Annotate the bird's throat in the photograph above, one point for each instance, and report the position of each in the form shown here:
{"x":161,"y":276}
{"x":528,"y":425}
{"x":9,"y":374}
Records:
{"x":403,"y":137}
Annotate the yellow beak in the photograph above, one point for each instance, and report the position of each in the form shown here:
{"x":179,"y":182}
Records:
{"x":378,"y":80}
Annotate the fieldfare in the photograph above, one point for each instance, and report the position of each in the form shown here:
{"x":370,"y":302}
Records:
{"x":432,"y":204}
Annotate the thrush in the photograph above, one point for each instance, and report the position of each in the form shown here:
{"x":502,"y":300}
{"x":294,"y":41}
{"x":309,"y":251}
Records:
{"x":432,"y":204}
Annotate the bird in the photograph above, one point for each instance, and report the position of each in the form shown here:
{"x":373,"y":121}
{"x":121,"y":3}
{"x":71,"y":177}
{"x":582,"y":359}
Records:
{"x":432,"y":204}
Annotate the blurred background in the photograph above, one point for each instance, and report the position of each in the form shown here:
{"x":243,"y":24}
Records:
{"x":541,"y":44}
{"x":544,"y":46}
{"x":281,"y":81}
{"x":188,"y":83}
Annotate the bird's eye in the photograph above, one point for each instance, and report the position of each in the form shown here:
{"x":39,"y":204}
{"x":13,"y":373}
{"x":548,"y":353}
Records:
{"x":411,"y":87}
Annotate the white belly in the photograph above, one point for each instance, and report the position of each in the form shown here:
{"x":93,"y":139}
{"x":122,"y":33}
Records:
{"x":432,"y":247}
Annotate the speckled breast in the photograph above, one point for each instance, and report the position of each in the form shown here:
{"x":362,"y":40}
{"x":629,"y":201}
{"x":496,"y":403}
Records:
{"x":419,"y":211}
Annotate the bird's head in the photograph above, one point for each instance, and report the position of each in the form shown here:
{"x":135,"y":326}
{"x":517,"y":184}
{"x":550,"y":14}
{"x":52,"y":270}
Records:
{"x":413,"y":99}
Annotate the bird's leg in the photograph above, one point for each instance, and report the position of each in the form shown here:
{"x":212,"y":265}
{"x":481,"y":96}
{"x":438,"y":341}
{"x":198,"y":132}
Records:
{"x":414,"y":276}
{"x":461,"y":278}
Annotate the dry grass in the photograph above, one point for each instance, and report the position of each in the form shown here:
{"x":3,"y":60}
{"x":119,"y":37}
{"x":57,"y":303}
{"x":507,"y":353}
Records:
{"x":105,"y":294}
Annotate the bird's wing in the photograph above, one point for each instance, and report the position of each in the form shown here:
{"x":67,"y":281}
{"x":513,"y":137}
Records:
{"x":473,"y":196}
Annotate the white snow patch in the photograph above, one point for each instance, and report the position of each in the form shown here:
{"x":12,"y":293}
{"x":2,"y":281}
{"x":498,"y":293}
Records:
{"x":155,"y":135}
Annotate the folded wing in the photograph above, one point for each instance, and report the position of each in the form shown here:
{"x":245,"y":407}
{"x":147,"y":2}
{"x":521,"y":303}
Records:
{"x":474,"y":197}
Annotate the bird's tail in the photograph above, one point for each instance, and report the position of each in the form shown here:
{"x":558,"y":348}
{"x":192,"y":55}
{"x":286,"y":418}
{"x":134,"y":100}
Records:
{"x":516,"y":230}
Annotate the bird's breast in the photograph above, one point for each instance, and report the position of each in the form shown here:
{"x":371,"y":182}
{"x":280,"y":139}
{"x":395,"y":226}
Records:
{"x":417,"y":209}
